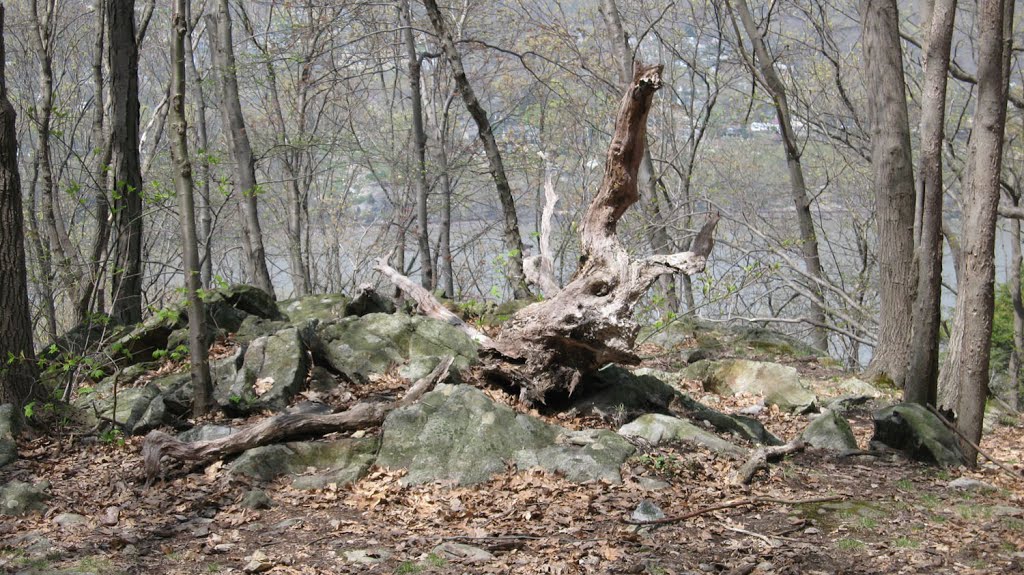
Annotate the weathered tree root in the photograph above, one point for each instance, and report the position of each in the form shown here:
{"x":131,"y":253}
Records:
{"x":759,"y":460}
{"x":280,"y":427}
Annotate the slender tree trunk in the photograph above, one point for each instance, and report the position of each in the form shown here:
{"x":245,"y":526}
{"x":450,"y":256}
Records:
{"x":198,"y":356}
{"x":923,"y":369}
{"x":203,"y":204}
{"x":963,"y":383}
{"x":513,"y":241}
{"x":798,"y":188}
{"x":444,"y":244}
{"x":125,"y":169}
{"x":241,"y":150}
{"x":90,"y":296}
{"x":894,"y":186}
{"x":419,"y":145}
{"x":1018,"y":306}
{"x":44,"y":282}
{"x":18,"y":367}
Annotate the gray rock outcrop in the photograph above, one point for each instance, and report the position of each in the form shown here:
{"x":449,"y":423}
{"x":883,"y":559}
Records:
{"x":911,"y":428}
{"x":457,"y":434}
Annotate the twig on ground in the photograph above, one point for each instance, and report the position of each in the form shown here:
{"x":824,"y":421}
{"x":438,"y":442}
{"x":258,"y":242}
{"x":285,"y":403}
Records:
{"x":731,"y":504}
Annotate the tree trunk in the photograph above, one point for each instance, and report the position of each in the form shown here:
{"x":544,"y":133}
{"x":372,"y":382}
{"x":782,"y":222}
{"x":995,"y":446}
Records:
{"x":513,"y":241}
{"x":551,"y":345}
{"x":444,"y":244}
{"x":241,"y":150}
{"x":963,"y":383}
{"x":17,"y":366}
{"x":923,"y":370}
{"x":1018,"y":307}
{"x":203,"y":205}
{"x":126,"y":173}
{"x":894,"y":186}
{"x":198,"y":357}
{"x":798,"y":188}
{"x":419,"y":145}
{"x":90,"y":295}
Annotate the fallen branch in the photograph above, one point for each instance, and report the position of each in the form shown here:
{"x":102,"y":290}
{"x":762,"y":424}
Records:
{"x":428,"y":303}
{"x":988,"y":456}
{"x":759,"y":460}
{"x":729,"y":505}
{"x":285,"y":426}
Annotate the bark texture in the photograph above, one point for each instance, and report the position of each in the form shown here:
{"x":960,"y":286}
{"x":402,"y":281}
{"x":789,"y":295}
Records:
{"x":923,"y":368}
{"x":963,"y":383}
{"x":894,"y":186}
{"x":198,"y":357}
{"x":419,"y":146}
{"x":513,"y":241}
{"x":17,"y":362}
{"x":549,"y":346}
{"x":125,"y":170}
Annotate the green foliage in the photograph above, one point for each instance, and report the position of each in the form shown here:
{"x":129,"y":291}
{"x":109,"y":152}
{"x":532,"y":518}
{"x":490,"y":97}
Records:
{"x":1002,"y":329}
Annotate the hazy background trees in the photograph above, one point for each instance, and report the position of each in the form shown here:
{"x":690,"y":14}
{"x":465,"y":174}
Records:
{"x":766,"y":117}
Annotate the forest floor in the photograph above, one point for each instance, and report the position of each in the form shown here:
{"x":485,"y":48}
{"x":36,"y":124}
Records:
{"x":891,"y":516}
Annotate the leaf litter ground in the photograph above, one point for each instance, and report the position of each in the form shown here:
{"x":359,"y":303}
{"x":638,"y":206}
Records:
{"x":894,"y":516}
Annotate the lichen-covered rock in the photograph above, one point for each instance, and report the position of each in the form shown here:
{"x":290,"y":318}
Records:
{"x":779,"y":384}
{"x":341,"y":461}
{"x":8,"y":448}
{"x":657,"y":429}
{"x":273,"y":369}
{"x":360,"y":346}
{"x":245,"y":298}
{"x":457,"y":434}
{"x":20,"y":498}
{"x":368,"y":300}
{"x":321,"y":307}
{"x":830,"y":431}
{"x":911,"y":428}
{"x":853,"y":386}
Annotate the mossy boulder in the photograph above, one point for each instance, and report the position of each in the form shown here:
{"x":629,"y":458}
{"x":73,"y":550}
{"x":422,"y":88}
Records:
{"x":457,"y":434}
{"x":322,"y":307}
{"x":830,"y":431}
{"x":273,"y":369}
{"x":657,"y":429}
{"x":779,"y":384}
{"x":360,"y":346}
{"x":913,"y":429}
{"x":314,"y":463}
{"x":20,"y":498}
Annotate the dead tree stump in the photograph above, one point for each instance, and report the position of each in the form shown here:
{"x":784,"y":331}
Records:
{"x":550,"y":345}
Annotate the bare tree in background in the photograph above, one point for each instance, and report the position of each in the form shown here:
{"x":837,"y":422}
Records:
{"x":239,"y":146}
{"x":513,"y":240}
{"x":763,"y":66}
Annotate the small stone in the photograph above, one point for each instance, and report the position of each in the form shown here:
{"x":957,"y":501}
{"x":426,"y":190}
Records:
{"x":647,"y":511}
{"x":812,"y":531}
{"x":223,"y":547}
{"x":652,"y":483}
{"x":367,"y":556}
{"x":968,"y":484}
{"x":752,"y":409}
{"x":67,"y":520}
{"x":111,"y":516}
{"x":462,"y":552}
{"x":257,"y":499}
